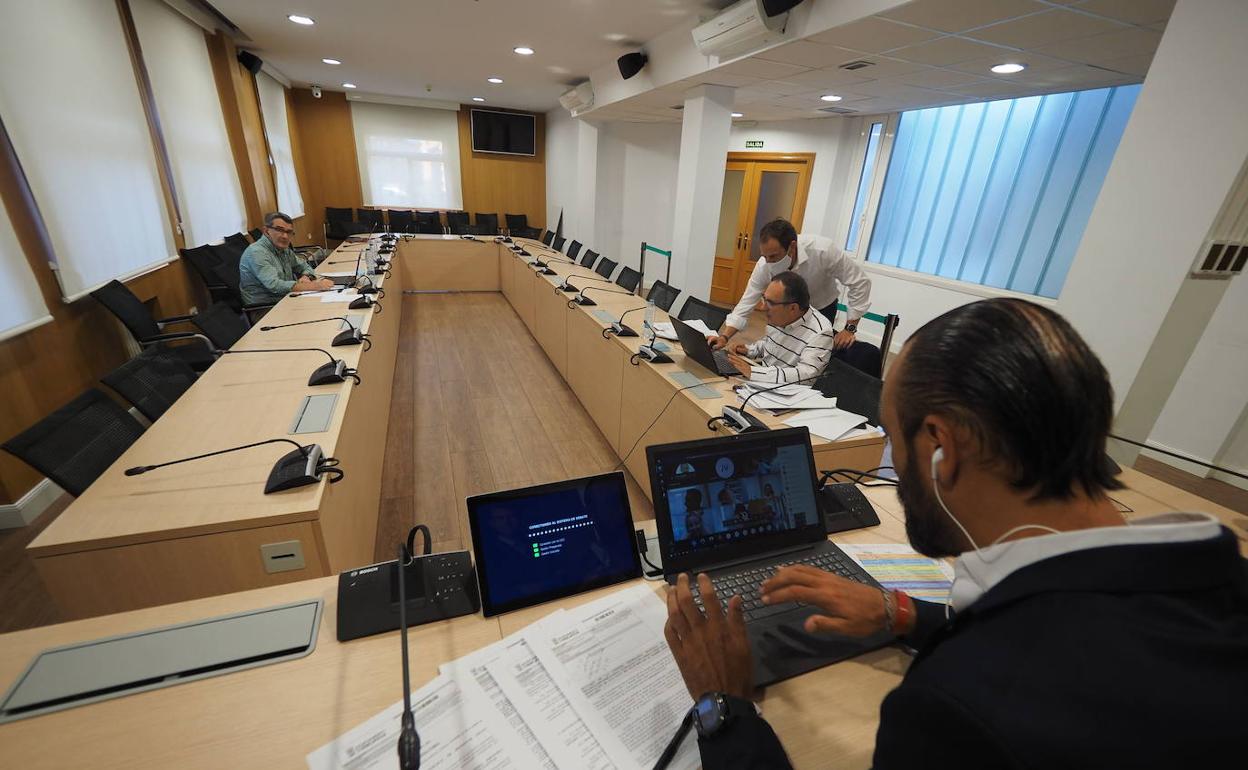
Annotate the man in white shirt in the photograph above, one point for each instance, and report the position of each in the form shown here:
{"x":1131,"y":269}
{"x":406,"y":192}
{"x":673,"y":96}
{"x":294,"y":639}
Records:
{"x":799,"y":340}
{"x":813,"y":257}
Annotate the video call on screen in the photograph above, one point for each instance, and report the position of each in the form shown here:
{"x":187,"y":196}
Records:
{"x":562,"y":538}
{"x":724,"y":496}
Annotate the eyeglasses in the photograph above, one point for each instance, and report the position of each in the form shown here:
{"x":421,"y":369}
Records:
{"x":769,"y":303}
{"x":282,"y":230}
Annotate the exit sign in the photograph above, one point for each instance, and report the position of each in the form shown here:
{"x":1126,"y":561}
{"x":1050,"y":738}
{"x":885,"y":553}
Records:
{"x":753,"y":143}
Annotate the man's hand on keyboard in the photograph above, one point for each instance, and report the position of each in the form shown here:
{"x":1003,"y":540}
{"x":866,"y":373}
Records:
{"x":852,"y":608}
{"x":712,"y":650}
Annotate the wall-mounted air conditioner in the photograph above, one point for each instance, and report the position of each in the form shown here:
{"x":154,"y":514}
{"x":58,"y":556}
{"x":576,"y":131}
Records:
{"x":578,"y":99}
{"x":738,"y":29}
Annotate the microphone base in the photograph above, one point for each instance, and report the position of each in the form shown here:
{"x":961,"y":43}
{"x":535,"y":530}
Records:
{"x":569,"y":288}
{"x":295,"y":469}
{"x":583,"y":300}
{"x":348,"y":337}
{"x":654,"y":356}
{"x":742,"y":421}
{"x":329,"y":374}
{"x":362,"y":302}
{"x":623,"y":330}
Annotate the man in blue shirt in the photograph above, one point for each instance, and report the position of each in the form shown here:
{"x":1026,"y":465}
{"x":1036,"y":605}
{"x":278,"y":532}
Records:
{"x":269,"y":268}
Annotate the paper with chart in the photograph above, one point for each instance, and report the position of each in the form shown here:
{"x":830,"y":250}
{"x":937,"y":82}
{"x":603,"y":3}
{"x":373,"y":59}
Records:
{"x":899,"y":567}
{"x":612,"y":663}
{"x":457,"y":730}
{"x":473,"y":676}
{"x":555,"y":722}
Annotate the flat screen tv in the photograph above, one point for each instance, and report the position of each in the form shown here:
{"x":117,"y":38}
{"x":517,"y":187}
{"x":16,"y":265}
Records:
{"x":506,"y":133}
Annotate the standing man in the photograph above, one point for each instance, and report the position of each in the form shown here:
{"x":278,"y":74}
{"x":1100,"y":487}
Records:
{"x":813,"y":257}
{"x":269,"y":268}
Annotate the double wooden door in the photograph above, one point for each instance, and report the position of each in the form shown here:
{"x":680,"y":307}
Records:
{"x":758,"y":187}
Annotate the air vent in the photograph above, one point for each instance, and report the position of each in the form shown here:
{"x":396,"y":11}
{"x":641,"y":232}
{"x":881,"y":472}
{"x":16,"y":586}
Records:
{"x":1225,"y":250}
{"x":838,"y":110}
{"x":857,"y":64}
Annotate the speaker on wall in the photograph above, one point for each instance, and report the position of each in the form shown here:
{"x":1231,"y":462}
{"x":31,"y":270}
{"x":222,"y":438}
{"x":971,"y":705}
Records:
{"x":631,"y":63}
{"x":249,"y":60}
{"x":777,"y":7}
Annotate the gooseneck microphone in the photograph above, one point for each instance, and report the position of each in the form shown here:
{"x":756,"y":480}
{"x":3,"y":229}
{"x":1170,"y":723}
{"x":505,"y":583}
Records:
{"x":619,"y":328}
{"x":745,"y":422}
{"x":326,"y":374}
{"x":567,"y":287}
{"x":303,"y":466}
{"x":409,"y":739}
{"x":581,"y":299}
{"x":351,"y":336}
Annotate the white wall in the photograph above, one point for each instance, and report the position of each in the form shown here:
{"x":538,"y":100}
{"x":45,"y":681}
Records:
{"x":561,"y":143}
{"x":637,"y":191}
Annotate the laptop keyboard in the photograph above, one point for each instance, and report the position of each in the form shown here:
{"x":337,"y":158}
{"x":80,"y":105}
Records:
{"x":748,"y":583}
{"x":724,"y":365}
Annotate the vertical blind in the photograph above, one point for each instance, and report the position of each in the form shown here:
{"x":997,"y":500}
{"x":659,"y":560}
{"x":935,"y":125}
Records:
{"x":277,"y":129}
{"x":998,"y":193}
{"x":176,"y":56}
{"x":73,"y":112}
{"x":21,"y":303}
{"x":408,"y":156}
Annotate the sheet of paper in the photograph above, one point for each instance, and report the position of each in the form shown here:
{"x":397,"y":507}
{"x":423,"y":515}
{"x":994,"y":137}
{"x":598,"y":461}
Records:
{"x":899,"y":567}
{"x":612,"y":663}
{"x":665,"y":330}
{"x":701,"y":326}
{"x":830,"y":424}
{"x":337,"y":274}
{"x":340,"y":296}
{"x":456,"y":731}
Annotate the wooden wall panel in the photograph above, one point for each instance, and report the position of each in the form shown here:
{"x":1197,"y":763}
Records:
{"x":240,"y":105}
{"x":504,"y":184}
{"x":325,"y":159}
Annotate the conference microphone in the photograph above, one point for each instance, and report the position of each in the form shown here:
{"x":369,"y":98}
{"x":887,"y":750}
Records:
{"x":581,"y":299}
{"x":299,"y":468}
{"x":409,"y":739}
{"x":326,"y":374}
{"x":371,"y":288}
{"x":619,"y":327}
{"x":351,"y":336}
{"x":743,"y":421}
{"x":365,"y":301}
{"x":569,"y":288}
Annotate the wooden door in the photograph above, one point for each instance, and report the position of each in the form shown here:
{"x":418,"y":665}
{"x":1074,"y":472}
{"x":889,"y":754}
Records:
{"x":730,"y":246}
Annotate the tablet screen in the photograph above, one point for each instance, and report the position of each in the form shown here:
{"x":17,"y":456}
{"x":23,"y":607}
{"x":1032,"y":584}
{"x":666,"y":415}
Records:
{"x":550,"y":541}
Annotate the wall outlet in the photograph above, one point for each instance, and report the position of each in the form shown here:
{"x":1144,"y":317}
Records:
{"x":285,"y":556}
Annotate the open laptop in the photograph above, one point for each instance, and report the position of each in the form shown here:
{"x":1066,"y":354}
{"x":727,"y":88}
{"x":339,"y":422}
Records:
{"x":694,"y":343}
{"x":737,"y":508}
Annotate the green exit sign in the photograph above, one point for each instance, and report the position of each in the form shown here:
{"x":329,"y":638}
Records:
{"x":753,"y":143}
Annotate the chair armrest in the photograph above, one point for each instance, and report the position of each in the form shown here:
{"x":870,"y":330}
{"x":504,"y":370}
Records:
{"x":173,"y":319}
{"x":175,"y":336}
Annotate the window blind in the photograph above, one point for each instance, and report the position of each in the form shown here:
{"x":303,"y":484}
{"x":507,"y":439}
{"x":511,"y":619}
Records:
{"x":21,"y":304}
{"x":408,"y":156}
{"x":72,"y":109}
{"x":205,"y":179}
{"x":277,"y":129}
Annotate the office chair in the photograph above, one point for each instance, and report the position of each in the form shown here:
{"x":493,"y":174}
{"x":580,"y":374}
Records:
{"x":574,"y":248}
{"x":457,"y":221}
{"x":854,"y":390}
{"x":605,"y":267}
{"x":518,"y":226}
{"x":229,"y":274}
{"x":712,"y":316}
{"x":135,"y":316}
{"x":628,"y":279}
{"x":370,"y":220}
{"x":557,"y":245}
{"x":487,"y":224}
{"x":221,"y":324}
{"x":255,"y":234}
{"x":151,"y":381}
{"x":590,"y":258}
{"x":203,"y":261}
{"x":237,"y":242}
{"x":78,"y":442}
{"x":662,"y":295}
{"x":339,"y":224}
{"x":547,"y":238}
{"x":429,"y":222}
{"x":401,"y":221}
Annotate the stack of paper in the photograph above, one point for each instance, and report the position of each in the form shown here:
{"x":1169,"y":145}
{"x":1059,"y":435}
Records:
{"x":592,"y":688}
{"x":830,"y":424}
{"x":664,"y":329}
{"x":771,"y":396}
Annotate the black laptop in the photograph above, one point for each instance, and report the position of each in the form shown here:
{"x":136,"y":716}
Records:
{"x":694,"y":343}
{"x":737,"y":508}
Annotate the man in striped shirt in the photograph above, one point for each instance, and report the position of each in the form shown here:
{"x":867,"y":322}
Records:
{"x":799,"y":339}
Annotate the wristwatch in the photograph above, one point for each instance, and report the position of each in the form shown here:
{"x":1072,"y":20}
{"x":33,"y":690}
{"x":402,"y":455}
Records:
{"x":852,"y":327}
{"x":713,"y":711}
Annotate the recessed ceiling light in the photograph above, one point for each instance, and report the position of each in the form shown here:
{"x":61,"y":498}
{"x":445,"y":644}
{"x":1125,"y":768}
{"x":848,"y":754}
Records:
{"x":304,"y":20}
{"x":831,"y":98}
{"x":1009,"y":68}
{"x":348,"y":85}
{"x":523,"y":50}
{"x":738,"y":115}
{"x":478,"y":98}
{"x":331,"y":61}
{"x":494,"y":80}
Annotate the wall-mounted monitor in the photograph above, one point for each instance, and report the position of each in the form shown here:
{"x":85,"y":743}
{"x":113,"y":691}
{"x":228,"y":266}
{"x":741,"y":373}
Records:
{"x":505,"y":133}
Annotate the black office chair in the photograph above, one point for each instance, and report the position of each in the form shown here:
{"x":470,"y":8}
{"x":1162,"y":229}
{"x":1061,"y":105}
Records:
{"x":428,"y":222}
{"x":605,"y":267}
{"x":237,"y":242}
{"x":151,"y":381}
{"x":135,"y":316}
{"x":590,"y":258}
{"x":221,"y":324}
{"x":370,"y":220}
{"x":401,"y":221}
{"x":574,"y":248}
{"x":662,"y":295}
{"x":487,"y":224}
{"x":518,"y":226}
{"x":339,"y":224}
{"x":255,"y":234}
{"x":78,"y":442}
{"x":712,"y":316}
{"x":854,"y":390}
{"x":457,"y":222}
{"x":229,"y":275}
{"x":203,"y":261}
{"x":628,"y":279}
{"x":557,"y":245}
{"x":547,"y":238}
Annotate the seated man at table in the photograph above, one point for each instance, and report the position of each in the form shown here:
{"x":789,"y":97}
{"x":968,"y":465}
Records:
{"x":1073,"y":640}
{"x":269,"y":268}
{"x":798,"y":342}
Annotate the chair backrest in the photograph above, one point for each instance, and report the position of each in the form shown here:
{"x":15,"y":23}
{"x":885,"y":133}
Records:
{"x":122,"y":303}
{"x":855,"y":390}
{"x":229,"y":276}
{"x":401,"y":221}
{"x":628,"y":279}
{"x":202,"y":260}
{"x":574,"y":248}
{"x":255,"y":234}
{"x":890,"y":322}
{"x":220,"y":323}
{"x":590,"y":258}
{"x":712,"y":316}
{"x":370,"y":218}
{"x":237,"y":242}
{"x":339,"y":216}
{"x":557,"y":244}
{"x":487,"y":223}
{"x":605,"y":267}
{"x":516,"y":221}
{"x":547,"y":238}
{"x":151,"y":381}
{"x":76,"y":443}
{"x":428,"y":222}
{"x":663,"y":295}
{"x":457,"y":221}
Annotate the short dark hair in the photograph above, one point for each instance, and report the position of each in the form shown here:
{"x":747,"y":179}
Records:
{"x":273,"y":216}
{"x":1024,"y":383}
{"x":779,"y":230}
{"x":795,"y":288}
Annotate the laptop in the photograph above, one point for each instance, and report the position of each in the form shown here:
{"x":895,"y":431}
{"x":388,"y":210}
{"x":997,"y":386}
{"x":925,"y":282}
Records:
{"x":694,"y":343}
{"x":737,"y":508}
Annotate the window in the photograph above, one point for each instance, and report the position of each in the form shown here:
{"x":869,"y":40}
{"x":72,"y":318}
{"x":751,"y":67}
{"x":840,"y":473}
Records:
{"x":408,"y":156}
{"x":21,"y":303}
{"x":998,"y":193}
{"x":874,"y":136}
{"x":277,"y":129}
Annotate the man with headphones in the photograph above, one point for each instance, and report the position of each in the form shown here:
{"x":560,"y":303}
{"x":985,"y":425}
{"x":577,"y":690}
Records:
{"x":1073,"y":639}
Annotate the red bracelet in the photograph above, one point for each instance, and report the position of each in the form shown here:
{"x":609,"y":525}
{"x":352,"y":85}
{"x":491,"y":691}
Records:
{"x":906,"y":613}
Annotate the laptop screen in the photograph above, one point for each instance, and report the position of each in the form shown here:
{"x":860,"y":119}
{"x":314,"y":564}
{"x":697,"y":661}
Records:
{"x":723,"y":499}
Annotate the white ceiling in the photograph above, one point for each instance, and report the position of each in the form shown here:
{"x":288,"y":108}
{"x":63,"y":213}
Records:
{"x":445,"y":49}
